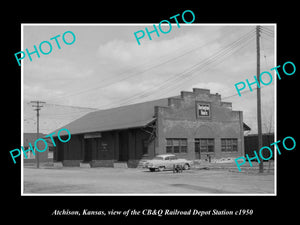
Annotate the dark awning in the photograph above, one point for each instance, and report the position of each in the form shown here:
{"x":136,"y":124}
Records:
{"x":246,"y":127}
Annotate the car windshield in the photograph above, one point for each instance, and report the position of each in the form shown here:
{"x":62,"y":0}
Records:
{"x":158,"y":158}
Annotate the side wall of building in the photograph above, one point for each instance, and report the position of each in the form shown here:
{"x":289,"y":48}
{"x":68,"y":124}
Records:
{"x":69,"y":153}
{"x":180,"y":121}
{"x":129,"y":145}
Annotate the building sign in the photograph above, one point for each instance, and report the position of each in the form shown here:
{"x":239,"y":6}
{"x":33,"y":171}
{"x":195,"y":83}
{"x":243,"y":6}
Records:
{"x":103,"y":146}
{"x":203,"y":110}
{"x":92,"y":135}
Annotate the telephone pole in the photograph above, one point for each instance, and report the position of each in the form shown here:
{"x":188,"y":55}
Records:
{"x":37,"y":109}
{"x":259,"y":131}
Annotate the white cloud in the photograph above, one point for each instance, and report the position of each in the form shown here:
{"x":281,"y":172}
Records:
{"x":39,"y":92}
{"x":153,"y":68}
{"x":107,"y":68}
{"x":129,"y":54}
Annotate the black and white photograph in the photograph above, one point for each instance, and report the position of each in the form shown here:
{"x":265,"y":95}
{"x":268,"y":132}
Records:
{"x":150,"y":114}
{"x":162,"y":117}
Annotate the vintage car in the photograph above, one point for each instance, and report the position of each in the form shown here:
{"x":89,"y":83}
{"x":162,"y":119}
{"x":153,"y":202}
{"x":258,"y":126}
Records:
{"x":166,"y":162}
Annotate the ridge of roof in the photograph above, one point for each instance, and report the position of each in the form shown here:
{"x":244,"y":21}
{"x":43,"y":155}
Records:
{"x":128,"y":116}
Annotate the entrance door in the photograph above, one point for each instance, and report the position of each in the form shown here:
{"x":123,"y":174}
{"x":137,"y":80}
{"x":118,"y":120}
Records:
{"x":123,"y":146}
{"x":59,"y":152}
{"x":197,"y":149}
{"x":88,"y":150}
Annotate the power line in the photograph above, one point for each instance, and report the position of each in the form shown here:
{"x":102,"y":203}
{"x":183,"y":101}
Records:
{"x":171,"y":81}
{"x":186,"y":74}
{"x":165,"y":88}
{"x":107,"y":112}
{"x":263,"y":28}
{"x":217,"y":58}
{"x":227,"y":50}
{"x":217,"y":63}
{"x":245,"y":92}
{"x":267,"y":33}
{"x":138,"y":73}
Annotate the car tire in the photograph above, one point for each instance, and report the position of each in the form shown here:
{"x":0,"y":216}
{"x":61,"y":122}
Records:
{"x":152,"y":169}
{"x":186,"y":166}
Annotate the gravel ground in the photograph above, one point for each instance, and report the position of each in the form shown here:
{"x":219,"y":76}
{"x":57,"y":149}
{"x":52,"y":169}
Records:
{"x":198,"y":180}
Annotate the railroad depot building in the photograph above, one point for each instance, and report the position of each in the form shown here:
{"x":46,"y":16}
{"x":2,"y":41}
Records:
{"x":194,"y":125}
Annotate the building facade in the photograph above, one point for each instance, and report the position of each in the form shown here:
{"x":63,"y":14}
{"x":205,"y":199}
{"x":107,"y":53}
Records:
{"x":194,"y":125}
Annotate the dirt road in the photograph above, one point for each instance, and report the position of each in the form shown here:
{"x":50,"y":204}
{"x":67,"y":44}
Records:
{"x":141,"y":181}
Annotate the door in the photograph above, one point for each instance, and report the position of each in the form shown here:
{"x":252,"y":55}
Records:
{"x":123,"y":146}
{"x":197,"y":149}
{"x":88,"y":150}
{"x":59,"y":151}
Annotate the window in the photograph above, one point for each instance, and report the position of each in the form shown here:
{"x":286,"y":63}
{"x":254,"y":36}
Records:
{"x":229,"y":145}
{"x":204,"y":145}
{"x":169,"y":148}
{"x":183,"y":145}
{"x":176,"y":145}
{"x":158,"y":158}
{"x":172,"y":157}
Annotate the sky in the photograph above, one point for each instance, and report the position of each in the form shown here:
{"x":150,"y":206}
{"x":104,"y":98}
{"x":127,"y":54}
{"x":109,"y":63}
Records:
{"x":105,"y":67}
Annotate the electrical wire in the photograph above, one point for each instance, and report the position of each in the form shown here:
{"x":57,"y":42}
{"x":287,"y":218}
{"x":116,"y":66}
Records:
{"x":185,"y":78}
{"x":170,"y":82}
{"x":267,"y":33}
{"x":202,"y":64}
{"x":137,"y":73}
{"x":217,"y":57}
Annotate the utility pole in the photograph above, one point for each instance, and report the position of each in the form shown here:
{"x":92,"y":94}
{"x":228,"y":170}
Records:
{"x":259,"y":131}
{"x":37,"y":109}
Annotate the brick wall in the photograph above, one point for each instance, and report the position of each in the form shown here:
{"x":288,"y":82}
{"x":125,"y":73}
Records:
{"x":180,"y":120}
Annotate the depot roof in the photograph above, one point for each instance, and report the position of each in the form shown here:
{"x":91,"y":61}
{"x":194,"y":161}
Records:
{"x":129,"y":116}
{"x":124,"y":117}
